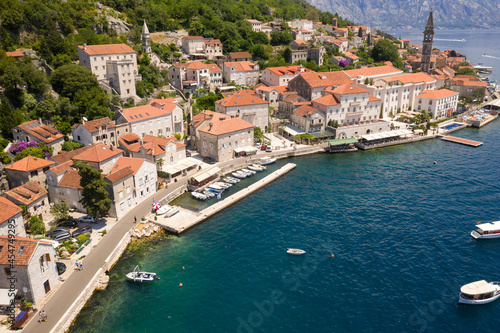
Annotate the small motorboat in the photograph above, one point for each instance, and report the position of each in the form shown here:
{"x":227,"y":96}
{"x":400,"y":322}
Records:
{"x":216,"y":187}
{"x":267,"y":160}
{"x":237,"y":180}
{"x":209,"y":194}
{"x":479,"y":292}
{"x":173,"y":210}
{"x":249,"y":171}
{"x":296,"y":252}
{"x":251,"y":167}
{"x":199,"y":196}
{"x":239,"y":175}
{"x":486,"y":230}
{"x":224,"y":185}
{"x":229,"y":180}
{"x":138,"y":276}
{"x":260,"y":166}
{"x":162,"y":210}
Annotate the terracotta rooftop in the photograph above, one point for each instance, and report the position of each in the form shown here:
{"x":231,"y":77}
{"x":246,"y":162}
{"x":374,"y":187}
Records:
{"x":240,"y":55}
{"x":372,"y":71}
{"x":8,"y":209}
{"x":152,"y":110}
{"x":119,"y":175}
{"x":253,"y":21}
{"x":227,"y":126}
{"x":213,"y":68}
{"x":241,"y":66}
{"x":41,"y":131}
{"x":107,"y":49}
{"x":411,"y":78}
{"x":62,"y":167}
{"x":27,"y":193}
{"x":288,"y":70}
{"x":213,"y":42}
{"x":347,"y":89}
{"x":29,"y":163}
{"x":14,"y":54}
{"x":242,"y":97}
{"x":327,"y":100}
{"x":205,"y":115}
{"x":98,"y":152}
{"x":305,"y":110}
{"x":325,"y":79}
{"x":94,"y":125}
{"x":279,"y":89}
{"x":152,"y":144}
{"x":437,"y":94}
{"x":131,"y":163}
{"x":71,"y":179}
{"x":23,"y":249}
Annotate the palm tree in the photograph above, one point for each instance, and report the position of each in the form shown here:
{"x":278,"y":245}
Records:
{"x":160,"y":163}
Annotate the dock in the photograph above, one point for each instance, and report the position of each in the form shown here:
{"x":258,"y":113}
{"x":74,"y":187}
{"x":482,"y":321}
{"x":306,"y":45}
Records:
{"x":462,"y":141}
{"x":186,"y":218}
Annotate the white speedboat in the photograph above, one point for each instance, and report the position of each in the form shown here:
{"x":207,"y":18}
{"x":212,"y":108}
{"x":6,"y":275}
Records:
{"x":249,"y":171}
{"x":487,"y":230}
{"x":209,"y":194}
{"x":162,"y":210}
{"x":229,"y":180}
{"x":216,"y":187}
{"x":223,"y":185}
{"x":239,"y":175}
{"x":138,"y":276}
{"x":260,"y":166}
{"x":173,"y":210}
{"x":296,"y":252}
{"x":267,"y":160}
{"x":251,"y":167}
{"x":199,"y":196}
{"x":233,"y":179}
{"x":479,"y":292}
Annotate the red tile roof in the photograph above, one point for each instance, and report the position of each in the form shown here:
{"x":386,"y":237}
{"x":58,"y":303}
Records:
{"x":240,"y":55}
{"x":62,"y":167}
{"x":207,"y":114}
{"x":325,"y":79}
{"x":437,"y":94}
{"x":372,"y":71}
{"x":288,"y":70}
{"x":27,"y":193}
{"x":132,"y":163}
{"x":305,"y":110}
{"x":327,"y":100}
{"x":411,"y":78}
{"x":212,"y":42}
{"x":241,"y":66}
{"x":8,"y":209}
{"x":227,"y":126}
{"x":149,"y":142}
{"x":71,"y":179}
{"x":279,"y":89}
{"x":29,"y":163}
{"x":242,"y":97}
{"x":213,"y":68}
{"x":94,"y":125}
{"x":28,"y":246}
{"x":119,"y":175}
{"x":14,"y":54}
{"x":152,"y":110}
{"x":41,"y":131}
{"x":347,"y":89}
{"x":98,"y":152}
{"x":107,"y":49}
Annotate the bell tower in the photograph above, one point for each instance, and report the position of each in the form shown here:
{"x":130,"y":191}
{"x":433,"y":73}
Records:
{"x":425,"y":65}
{"x":146,"y":40}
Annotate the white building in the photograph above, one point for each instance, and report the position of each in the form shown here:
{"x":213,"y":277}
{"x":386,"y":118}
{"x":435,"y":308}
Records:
{"x":245,"y":105}
{"x":144,"y":173}
{"x":241,"y":72}
{"x":280,"y":76}
{"x":34,"y":268}
{"x":195,"y":75}
{"x":192,"y":45}
{"x":256,"y":25}
{"x":301,"y":24}
{"x":440,"y":103}
{"x":159,"y":117}
{"x":101,"y":130}
{"x":11,"y":214}
{"x":153,"y":148}
{"x":114,"y":65}
{"x":213,"y":49}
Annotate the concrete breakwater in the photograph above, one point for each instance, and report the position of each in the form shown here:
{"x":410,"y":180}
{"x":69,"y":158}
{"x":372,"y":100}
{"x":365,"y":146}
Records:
{"x":186,"y":219}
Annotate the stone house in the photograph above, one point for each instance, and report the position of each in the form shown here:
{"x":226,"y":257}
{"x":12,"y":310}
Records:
{"x":144,"y":173}
{"x":256,"y":25}
{"x":466,"y":85}
{"x":239,"y":56}
{"x":37,"y":131}
{"x":213,"y":49}
{"x":34,"y":196}
{"x":271,"y":94}
{"x":280,"y":76}
{"x":153,"y":148}
{"x":121,"y":190}
{"x":201,"y":120}
{"x":11,"y":214}
{"x":192,"y":45}
{"x":28,"y":169}
{"x":439,"y":103}
{"x":195,"y":75}
{"x":101,"y":130}
{"x":308,"y":119}
{"x":67,"y":189}
{"x":34,"y":268}
{"x":221,"y":137}
{"x":114,"y":65}
{"x":98,"y":155}
{"x":301,"y":24}
{"x":241,"y":72}
{"x":246,"y":105}
{"x":311,"y":85}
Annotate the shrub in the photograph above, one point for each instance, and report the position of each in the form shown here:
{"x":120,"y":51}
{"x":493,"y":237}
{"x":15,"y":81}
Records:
{"x":71,"y":145}
{"x":36,"y":225}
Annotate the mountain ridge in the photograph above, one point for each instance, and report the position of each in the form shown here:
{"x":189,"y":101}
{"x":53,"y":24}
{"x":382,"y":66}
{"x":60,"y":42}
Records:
{"x":381,"y":14}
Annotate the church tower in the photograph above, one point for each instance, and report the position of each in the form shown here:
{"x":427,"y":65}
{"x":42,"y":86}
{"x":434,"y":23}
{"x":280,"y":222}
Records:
{"x":146,"y":40}
{"x":427,"y":45}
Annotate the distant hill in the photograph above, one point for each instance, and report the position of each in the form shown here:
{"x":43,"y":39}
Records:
{"x":410,"y":14}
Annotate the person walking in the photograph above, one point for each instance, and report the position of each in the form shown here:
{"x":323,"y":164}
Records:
{"x":135,"y":219}
{"x":81,"y":265}
{"x":77,"y":265}
{"x":41,"y":317}
{"x":44,"y":315}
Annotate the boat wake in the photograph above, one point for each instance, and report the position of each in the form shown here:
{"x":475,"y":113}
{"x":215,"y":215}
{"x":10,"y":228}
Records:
{"x":490,"y":56}
{"x":451,"y":40}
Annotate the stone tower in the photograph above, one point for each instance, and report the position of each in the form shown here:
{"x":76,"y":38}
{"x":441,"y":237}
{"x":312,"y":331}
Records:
{"x":427,"y":45}
{"x":146,"y":40}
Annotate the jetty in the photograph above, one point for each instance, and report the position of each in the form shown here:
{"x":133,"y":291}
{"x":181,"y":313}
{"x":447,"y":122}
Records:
{"x":462,"y":141}
{"x":186,"y":218}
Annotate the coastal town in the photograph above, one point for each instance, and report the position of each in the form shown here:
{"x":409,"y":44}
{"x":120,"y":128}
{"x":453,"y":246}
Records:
{"x":81,"y":192}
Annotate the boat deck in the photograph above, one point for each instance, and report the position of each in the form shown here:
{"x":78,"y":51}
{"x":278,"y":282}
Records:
{"x":462,"y":141}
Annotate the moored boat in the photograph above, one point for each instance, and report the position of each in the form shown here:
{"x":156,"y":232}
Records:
{"x":487,"y":230}
{"x":296,"y":252}
{"x":139,"y":276}
{"x":216,"y":187}
{"x":249,"y":171}
{"x":173,"y":210}
{"x":260,"y":166}
{"x":239,"y":175}
{"x":162,"y":210}
{"x":267,"y":160}
{"x":479,"y":292}
{"x":251,"y":167}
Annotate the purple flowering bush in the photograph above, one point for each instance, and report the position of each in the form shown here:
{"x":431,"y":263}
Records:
{"x":19,"y":146}
{"x":344,"y":63}
{"x":23,"y":148}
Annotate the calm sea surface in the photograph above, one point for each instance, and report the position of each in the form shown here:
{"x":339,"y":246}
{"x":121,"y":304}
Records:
{"x":480,"y":46}
{"x":398,"y":224}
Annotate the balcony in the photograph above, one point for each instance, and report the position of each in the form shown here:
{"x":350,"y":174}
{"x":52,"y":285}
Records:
{"x":355,"y":104}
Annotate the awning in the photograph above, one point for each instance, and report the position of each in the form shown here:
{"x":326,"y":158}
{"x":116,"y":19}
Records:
{"x":205,"y":174}
{"x":293,"y":131}
{"x":342,"y":141}
{"x":4,"y":296}
{"x":385,"y":135}
{"x":173,"y":169}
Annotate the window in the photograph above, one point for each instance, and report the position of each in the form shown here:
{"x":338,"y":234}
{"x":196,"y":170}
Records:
{"x":120,"y":194}
{"x":129,"y":201}
{"x":21,"y":249}
{"x":121,"y":206}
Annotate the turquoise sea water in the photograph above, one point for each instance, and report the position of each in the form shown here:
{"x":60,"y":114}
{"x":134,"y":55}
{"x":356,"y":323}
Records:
{"x":398,"y":224}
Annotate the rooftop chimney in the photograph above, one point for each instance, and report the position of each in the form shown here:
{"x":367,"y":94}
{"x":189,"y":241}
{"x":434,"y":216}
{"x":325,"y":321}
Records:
{"x":85,"y":47}
{"x":210,"y":125}
{"x":40,"y":121}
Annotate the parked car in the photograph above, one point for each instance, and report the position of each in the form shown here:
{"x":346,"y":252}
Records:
{"x":263,"y":147}
{"x":269,"y":149}
{"x":57,"y":230}
{"x":209,"y":160}
{"x":61,"y":268}
{"x":62,"y":236}
{"x":70,"y":223}
{"x":81,"y":231}
{"x":86,"y":219}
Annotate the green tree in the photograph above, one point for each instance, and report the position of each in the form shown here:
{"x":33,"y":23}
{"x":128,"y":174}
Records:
{"x":68,"y":80}
{"x":8,"y":118}
{"x":385,"y":50}
{"x":478,"y":94}
{"x":94,"y":194}
{"x":36,"y":225}
{"x":64,"y":127}
{"x":281,"y":38}
{"x":160,"y":163}
{"x":312,"y":15}
{"x":466,"y":71}
{"x":60,"y":211}
{"x":71,"y":145}
{"x":360,"y":32}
